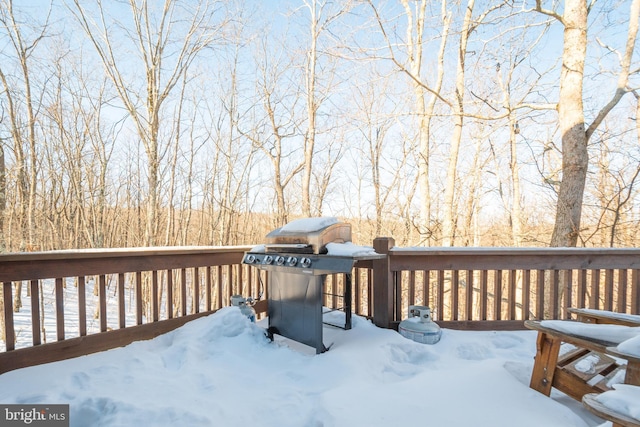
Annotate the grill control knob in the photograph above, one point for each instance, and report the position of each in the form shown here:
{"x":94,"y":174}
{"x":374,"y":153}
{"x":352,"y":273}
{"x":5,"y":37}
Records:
{"x":305,"y":262}
{"x":251,"y":259}
{"x":268,"y":259}
{"x":279,"y":260}
{"x":292,"y":261}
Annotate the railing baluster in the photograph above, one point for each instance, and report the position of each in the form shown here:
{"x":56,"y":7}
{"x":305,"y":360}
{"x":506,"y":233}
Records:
{"x":484,"y":276}
{"x":207,"y":299}
{"x":196,"y":290}
{"x":635,"y":292}
{"x":250,"y":281}
{"x":469,"y":296}
{"x":455,"y":293}
{"x":426,"y":294}
{"x":121,"y":307}
{"x":357,"y":290}
{"x":567,"y":300}
{"x":622,"y":290}
{"x":497,"y":295}
{"x":138,"y":298}
{"x":553,"y":304}
{"x":170,"y":294}
{"x":9,"y":328}
{"x":511,"y":295}
{"x":219,"y":286}
{"x":59,"y":310}
{"x":440,"y":278}
{"x":183,"y":292}
{"x":35,"y":312}
{"x":229,"y":284}
{"x":102,"y":295}
{"x":595,"y":289}
{"x":397,"y":310}
{"x":155,"y":315}
{"x":608,"y":289}
{"x":82,"y":306}
{"x":412,"y":288}
{"x":582,"y":288}
{"x":526,"y":294}
{"x":540,"y":294}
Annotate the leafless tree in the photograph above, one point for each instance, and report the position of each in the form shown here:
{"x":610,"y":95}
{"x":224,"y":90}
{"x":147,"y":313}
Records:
{"x":575,"y":132}
{"x":169,"y":37}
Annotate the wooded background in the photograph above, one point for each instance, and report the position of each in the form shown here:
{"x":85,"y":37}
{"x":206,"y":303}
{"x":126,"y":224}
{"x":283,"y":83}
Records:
{"x":135,"y":123}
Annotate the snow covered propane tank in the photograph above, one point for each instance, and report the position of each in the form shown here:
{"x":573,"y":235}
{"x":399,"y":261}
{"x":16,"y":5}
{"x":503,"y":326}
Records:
{"x":419,"y":327}
{"x":245,"y":305}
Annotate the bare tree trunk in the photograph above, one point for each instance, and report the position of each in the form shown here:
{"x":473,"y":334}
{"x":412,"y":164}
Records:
{"x":575,"y":158}
{"x":575,"y":134}
{"x":424,"y":110}
{"x":27,"y":173}
{"x":154,"y":30}
{"x":310,"y":86}
{"x":448,"y":228}
{"x":3,"y":197}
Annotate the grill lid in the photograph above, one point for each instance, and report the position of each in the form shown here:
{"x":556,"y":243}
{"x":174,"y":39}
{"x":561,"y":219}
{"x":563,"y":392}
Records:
{"x":308,"y":235}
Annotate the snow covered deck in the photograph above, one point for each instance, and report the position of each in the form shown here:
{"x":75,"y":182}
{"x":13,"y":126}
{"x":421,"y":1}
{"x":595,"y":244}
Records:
{"x":92,"y":300}
{"x":221,"y":370}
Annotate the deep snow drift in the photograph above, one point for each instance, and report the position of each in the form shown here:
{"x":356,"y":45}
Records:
{"x":221,"y":371}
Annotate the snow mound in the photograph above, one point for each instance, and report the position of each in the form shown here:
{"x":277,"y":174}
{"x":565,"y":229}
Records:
{"x":602,"y":332}
{"x":349,"y":249}
{"x":222,"y":370}
{"x":624,"y":399}
{"x":630,"y":346}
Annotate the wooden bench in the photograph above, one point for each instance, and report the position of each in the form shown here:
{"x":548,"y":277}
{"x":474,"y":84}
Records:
{"x":605,"y":317}
{"x":564,"y":371}
{"x":619,"y":420}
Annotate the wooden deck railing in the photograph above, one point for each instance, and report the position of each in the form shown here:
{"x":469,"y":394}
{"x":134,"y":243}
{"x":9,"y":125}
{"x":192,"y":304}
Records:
{"x":166,"y":288}
{"x":144,"y":292}
{"x":499,"y":288}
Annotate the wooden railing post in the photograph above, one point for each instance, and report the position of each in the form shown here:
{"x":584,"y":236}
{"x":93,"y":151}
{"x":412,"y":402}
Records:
{"x":382,"y":283}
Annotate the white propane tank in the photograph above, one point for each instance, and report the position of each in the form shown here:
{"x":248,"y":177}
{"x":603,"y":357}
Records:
{"x":419,"y":327}
{"x":245,"y":305}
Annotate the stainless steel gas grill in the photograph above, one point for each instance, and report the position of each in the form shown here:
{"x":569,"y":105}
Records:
{"x":295,"y":257}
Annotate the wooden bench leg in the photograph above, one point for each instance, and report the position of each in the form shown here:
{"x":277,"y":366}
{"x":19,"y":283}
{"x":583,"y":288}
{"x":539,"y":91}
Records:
{"x":547,"y":350}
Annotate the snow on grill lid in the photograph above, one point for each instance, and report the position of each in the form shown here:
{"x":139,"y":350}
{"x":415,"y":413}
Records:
{"x":308,"y":225}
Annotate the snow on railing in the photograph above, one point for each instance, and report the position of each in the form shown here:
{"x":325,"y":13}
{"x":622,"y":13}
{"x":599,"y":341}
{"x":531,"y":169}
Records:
{"x":63,"y":304}
{"x":510,"y":285}
{"x":79,"y":302}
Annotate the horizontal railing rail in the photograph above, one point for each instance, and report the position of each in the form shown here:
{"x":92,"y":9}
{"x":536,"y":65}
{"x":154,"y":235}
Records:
{"x":468,"y":287}
{"x":103,"y":299}
{"x":141,"y":293}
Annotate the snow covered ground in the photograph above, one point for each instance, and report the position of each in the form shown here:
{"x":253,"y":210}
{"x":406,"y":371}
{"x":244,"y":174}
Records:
{"x":221,"y":371}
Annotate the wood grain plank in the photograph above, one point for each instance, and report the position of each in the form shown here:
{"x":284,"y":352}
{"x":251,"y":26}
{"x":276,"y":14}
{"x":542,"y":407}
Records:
{"x":526,"y":294}
{"x":59,"y":291}
{"x":484,"y":297}
{"x":82,"y":306}
{"x":469,"y":296}
{"x":170,"y":296}
{"x":196,"y":290}
{"x":455,"y":294}
{"x":102,"y":301}
{"x":139,"y":298}
{"x":35,"y":311}
{"x":608,"y":289}
{"x":622,"y":291}
{"x":122,"y":311}
{"x":9,"y":327}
